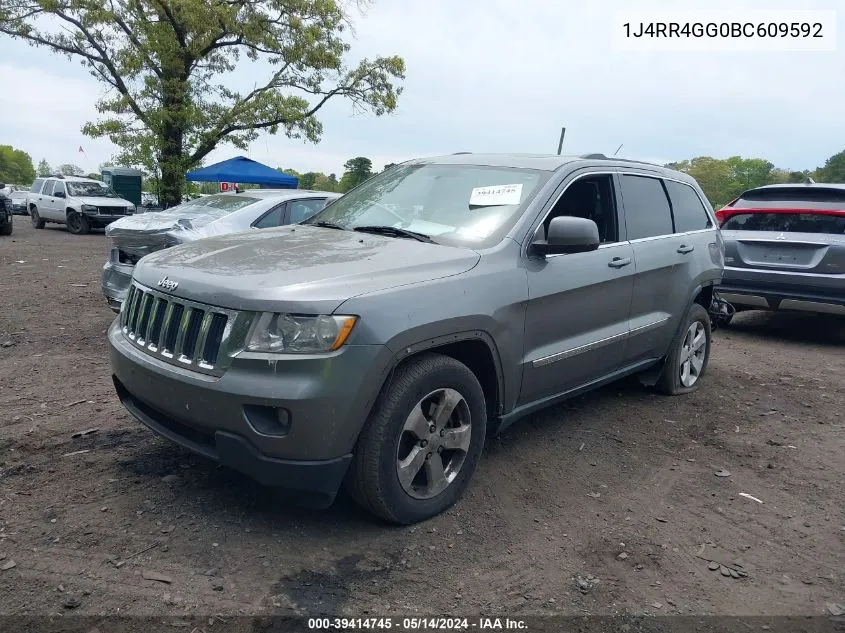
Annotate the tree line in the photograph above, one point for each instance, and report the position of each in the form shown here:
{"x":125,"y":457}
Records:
{"x":722,"y":179}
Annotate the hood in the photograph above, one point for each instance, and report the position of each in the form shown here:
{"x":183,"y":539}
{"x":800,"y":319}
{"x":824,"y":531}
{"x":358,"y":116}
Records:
{"x":298,"y":269}
{"x":145,"y":233}
{"x":103,"y":201}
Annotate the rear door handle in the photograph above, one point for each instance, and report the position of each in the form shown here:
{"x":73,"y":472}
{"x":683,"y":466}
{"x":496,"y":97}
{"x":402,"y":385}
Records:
{"x":683,"y":249}
{"x":619,"y":262}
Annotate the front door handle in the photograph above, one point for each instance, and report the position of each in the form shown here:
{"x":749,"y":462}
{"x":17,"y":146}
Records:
{"x":619,"y":262}
{"x":683,"y":249}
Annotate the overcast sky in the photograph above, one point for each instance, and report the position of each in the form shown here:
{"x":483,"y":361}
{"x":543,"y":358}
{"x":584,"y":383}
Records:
{"x":504,"y":75}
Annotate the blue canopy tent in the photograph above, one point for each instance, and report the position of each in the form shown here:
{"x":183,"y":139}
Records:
{"x":243,"y":170}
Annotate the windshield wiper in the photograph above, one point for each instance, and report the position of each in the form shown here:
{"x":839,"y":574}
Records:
{"x":326,"y":225}
{"x":394,"y":232}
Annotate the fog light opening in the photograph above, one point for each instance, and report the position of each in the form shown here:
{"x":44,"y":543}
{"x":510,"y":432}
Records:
{"x":273,"y":421}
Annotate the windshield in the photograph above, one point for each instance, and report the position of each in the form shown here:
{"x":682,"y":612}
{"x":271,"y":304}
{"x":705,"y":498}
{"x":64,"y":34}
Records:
{"x":468,"y":205}
{"x":90,"y":189}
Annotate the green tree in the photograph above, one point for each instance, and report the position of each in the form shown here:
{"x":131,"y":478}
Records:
{"x":290,"y":172}
{"x":325,"y":183}
{"x":44,"y":168}
{"x":164,"y":64}
{"x":747,"y":173}
{"x":388,"y":166}
{"x":15,"y":166}
{"x":357,"y":171}
{"x":713,"y":175}
{"x":787,"y":176}
{"x":307,"y":180}
{"x":68,"y":169}
{"x":834,"y":169}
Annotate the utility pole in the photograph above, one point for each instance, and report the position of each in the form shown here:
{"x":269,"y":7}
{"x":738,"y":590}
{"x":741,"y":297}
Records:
{"x":560,"y":143}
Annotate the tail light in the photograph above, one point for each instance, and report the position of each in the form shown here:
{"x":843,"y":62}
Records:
{"x":722,"y":215}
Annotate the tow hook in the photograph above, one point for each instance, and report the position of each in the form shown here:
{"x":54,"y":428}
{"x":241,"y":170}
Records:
{"x":721,"y":312}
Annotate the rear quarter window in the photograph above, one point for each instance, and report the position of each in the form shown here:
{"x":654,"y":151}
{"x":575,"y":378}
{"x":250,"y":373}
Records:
{"x":689,"y":212}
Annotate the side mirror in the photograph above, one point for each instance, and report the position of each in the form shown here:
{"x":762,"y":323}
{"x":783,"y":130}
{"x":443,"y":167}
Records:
{"x":59,"y":194}
{"x":568,"y":234}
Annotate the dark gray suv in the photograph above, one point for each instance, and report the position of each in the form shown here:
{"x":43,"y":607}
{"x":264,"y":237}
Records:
{"x":378,"y":343}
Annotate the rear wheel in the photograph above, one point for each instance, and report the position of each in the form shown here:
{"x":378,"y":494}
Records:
{"x":689,"y":355}
{"x":77,"y":223}
{"x":422,"y":442}
{"x":36,"y":220}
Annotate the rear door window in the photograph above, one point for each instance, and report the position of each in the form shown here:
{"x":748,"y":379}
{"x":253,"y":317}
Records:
{"x":647,"y":211}
{"x":687,"y":209}
{"x":787,"y":222}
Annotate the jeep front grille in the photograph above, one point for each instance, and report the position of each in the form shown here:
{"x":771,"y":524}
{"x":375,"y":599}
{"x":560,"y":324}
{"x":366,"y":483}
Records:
{"x":177,"y":331}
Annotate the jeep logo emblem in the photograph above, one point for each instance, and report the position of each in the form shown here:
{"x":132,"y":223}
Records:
{"x":167,"y":284}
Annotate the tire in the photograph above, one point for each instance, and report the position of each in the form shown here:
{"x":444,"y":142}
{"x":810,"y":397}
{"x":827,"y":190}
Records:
{"x":7,"y":228}
{"x":77,"y":223}
{"x":374,"y":476}
{"x":37,"y":222}
{"x":672,"y":381}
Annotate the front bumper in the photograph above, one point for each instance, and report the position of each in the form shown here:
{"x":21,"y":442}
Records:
{"x":115,"y":283}
{"x":290,"y":423}
{"x":101,"y":220}
{"x":768,"y":290}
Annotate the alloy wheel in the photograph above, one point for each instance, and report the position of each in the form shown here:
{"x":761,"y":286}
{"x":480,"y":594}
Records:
{"x":693,"y":351}
{"x":433,"y":444}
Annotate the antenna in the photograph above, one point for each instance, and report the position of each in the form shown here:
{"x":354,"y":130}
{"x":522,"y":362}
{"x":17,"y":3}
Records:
{"x":618,"y":148}
{"x":560,"y":143}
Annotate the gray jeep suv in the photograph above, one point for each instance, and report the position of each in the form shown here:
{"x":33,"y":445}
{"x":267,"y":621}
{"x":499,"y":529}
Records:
{"x":377,"y":343}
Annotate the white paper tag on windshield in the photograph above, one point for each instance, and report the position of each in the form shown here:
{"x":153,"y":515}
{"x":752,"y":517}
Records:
{"x":495,"y":195}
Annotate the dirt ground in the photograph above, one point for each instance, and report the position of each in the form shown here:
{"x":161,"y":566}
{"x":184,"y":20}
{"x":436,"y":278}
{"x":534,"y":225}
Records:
{"x":607,"y":504}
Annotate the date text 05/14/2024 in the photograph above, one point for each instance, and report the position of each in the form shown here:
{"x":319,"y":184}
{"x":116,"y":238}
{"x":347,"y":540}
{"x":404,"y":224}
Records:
{"x":417,"y":624}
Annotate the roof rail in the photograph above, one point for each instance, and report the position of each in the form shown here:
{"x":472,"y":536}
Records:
{"x":59,"y":176}
{"x":459,"y":153}
{"x":621,"y":160}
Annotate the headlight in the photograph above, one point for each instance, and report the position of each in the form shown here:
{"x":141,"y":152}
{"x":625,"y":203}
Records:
{"x":131,"y":208}
{"x":300,"y":334}
{"x":89,"y":208}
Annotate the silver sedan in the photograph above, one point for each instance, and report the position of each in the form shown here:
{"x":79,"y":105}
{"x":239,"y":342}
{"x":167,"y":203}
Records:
{"x":135,"y":236}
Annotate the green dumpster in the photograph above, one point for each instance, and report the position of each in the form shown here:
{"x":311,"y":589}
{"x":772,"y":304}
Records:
{"x":126,"y":182}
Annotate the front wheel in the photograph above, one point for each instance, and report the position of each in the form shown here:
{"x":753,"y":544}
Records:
{"x":77,"y":223}
{"x":689,"y":354}
{"x":37,"y":222}
{"x":422,"y":442}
